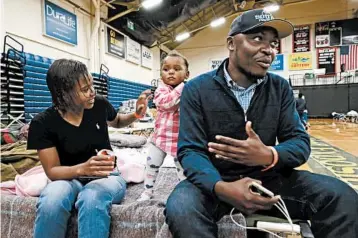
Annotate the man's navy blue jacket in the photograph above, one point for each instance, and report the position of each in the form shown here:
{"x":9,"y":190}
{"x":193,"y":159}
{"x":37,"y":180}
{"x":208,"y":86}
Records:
{"x":208,"y":108}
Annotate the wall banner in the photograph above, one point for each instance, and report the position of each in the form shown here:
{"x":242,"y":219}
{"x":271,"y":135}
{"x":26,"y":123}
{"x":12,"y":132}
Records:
{"x":301,"y":39}
{"x":59,"y":23}
{"x":300,"y":61}
{"x":115,"y":43}
{"x":133,"y":51}
{"x":147,"y":57}
{"x":278,"y":63}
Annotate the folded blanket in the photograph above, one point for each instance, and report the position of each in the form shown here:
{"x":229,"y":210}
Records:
{"x":17,"y":151}
{"x":123,"y":140}
{"x":8,"y":172}
{"x":29,"y":184}
{"x":16,"y":159}
{"x":130,"y":219}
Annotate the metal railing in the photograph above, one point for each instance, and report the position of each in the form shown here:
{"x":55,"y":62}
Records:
{"x":311,"y":79}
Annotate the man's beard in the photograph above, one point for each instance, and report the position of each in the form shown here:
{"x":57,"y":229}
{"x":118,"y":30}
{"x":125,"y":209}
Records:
{"x":250,"y":75}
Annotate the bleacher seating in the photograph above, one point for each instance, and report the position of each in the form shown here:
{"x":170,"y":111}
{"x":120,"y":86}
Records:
{"x":36,"y":94}
{"x":122,"y":90}
{"x":37,"y":97}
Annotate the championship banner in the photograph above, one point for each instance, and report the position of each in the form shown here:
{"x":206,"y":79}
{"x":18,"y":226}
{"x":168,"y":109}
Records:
{"x":326,"y":59}
{"x":301,"y":39}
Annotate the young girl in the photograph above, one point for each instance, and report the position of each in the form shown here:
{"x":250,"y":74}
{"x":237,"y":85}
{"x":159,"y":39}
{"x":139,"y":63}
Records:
{"x":68,"y":137}
{"x":174,"y":70}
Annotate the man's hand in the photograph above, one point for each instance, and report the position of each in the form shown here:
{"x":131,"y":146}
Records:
{"x":142,"y":102}
{"x":250,"y":152}
{"x":239,"y":195}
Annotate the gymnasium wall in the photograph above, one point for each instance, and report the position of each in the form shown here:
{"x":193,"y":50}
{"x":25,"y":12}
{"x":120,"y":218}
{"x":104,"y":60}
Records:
{"x":322,"y":100}
{"x":210,"y":43}
{"x":23,"y":20}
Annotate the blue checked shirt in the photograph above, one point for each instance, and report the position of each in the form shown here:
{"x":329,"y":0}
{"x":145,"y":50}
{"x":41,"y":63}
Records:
{"x":243,"y":95}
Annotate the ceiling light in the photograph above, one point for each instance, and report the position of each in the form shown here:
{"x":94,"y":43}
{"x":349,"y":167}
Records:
{"x":182,"y":36}
{"x":147,"y":4}
{"x":271,"y":8}
{"x":217,"y":22}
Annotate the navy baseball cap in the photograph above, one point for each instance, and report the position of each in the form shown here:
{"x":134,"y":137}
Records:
{"x":252,"y":19}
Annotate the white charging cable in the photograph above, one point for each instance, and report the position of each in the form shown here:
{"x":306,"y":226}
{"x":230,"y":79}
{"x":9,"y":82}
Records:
{"x":251,"y":228}
{"x":281,"y":206}
{"x":283,"y":209}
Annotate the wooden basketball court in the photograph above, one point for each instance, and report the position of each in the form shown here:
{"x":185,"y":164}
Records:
{"x":334,"y":150}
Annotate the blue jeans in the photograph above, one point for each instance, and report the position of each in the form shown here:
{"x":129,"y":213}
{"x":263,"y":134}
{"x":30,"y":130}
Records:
{"x":93,"y":202}
{"x":330,"y":205}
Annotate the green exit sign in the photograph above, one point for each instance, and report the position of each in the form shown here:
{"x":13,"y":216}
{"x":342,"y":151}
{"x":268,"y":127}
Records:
{"x":130,"y":24}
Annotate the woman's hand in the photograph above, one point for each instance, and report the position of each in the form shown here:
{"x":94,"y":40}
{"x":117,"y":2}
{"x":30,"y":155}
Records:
{"x":98,"y":165}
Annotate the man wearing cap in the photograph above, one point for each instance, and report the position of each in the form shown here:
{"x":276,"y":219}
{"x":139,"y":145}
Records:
{"x":230,"y":119}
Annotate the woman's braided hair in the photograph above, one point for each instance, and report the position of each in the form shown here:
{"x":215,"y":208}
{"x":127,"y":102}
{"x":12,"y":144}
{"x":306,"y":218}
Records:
{"x":61,"y":79}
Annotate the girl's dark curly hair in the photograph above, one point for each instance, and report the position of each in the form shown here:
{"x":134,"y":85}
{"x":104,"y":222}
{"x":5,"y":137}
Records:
{"x":175,"y":53}
{"x":61,"y":79}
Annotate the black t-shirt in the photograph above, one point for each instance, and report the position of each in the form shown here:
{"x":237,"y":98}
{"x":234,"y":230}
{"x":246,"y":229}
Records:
{"x":74,"y":144}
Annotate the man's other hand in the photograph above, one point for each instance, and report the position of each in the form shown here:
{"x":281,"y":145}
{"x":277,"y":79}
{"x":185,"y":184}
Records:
{"x":250,"y":152}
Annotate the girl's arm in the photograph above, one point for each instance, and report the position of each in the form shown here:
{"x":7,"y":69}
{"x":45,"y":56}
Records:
{"x":167,"y":100}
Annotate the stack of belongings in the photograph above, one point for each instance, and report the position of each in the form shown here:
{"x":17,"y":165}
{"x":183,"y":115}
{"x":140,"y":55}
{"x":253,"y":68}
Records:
{"x":339,"y":116}
{"x":7,"y":136}
{"x":13,"y":134}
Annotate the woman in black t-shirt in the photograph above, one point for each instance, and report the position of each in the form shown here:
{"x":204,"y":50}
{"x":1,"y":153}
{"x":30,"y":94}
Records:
{"x":67,"y":137}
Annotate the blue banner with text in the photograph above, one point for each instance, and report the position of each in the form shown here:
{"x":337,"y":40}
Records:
{"x":60,"y":23}
{"x":277,"y":64}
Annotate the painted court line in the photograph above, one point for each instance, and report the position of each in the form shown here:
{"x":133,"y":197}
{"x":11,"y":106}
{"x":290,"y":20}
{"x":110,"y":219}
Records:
{"x":340,"y":163}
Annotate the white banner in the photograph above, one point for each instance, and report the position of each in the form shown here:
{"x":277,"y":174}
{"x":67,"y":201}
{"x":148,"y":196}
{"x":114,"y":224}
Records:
{"x":215,"y":63}
{"x":147,"y":57}
{"x":133,"y":51}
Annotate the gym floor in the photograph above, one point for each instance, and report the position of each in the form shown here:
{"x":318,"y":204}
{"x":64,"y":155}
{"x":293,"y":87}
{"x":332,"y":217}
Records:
{"x":334,"y":147}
